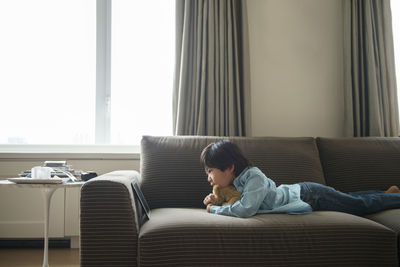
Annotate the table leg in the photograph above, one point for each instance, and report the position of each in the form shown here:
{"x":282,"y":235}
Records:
{"x":47,"y":194}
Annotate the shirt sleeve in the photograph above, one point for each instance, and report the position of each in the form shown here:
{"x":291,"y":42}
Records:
{"x":254,"y":193}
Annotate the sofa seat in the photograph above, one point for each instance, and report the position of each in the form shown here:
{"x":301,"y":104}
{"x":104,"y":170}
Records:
{"x":193,"y":237}
{"x":389,"y":218}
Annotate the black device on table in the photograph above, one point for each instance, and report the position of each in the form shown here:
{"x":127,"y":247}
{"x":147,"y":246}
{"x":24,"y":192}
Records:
{"x":86,"y":176}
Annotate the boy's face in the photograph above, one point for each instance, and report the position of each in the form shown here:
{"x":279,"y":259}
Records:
{"x":221,"y":178}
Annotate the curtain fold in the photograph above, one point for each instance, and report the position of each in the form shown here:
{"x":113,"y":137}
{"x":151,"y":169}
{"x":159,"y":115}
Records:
{"x":371,"y":107}
{"x":211,"y":81}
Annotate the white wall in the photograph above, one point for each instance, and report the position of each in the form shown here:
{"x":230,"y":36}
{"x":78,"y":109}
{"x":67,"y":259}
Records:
{"x":296,"y":49}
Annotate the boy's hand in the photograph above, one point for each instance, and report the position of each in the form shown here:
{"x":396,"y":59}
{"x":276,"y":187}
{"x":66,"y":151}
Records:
{"x":210,"y":199}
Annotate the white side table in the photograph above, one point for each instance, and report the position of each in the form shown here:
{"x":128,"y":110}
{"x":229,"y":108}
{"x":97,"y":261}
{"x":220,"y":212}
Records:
{"x":47,"y":191}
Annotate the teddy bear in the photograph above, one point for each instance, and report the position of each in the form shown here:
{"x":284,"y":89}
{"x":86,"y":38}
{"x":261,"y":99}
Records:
{"x":226,"y":195}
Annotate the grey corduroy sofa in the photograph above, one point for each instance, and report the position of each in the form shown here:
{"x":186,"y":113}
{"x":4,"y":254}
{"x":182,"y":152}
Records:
{"x":181,"y":233}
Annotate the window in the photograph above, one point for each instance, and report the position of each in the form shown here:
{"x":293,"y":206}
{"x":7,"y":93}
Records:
{"x":142,"y":58}
{"x":395,"y":6}
{"x":63,"y":83}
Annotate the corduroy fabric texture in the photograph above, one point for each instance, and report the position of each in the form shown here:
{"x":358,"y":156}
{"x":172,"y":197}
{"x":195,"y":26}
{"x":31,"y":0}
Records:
{"x":390,"y":219}
{"x":357,"y":164}
{"x":172,"y":175}
{"x":108,"y":228}
{"x":193,"y":237}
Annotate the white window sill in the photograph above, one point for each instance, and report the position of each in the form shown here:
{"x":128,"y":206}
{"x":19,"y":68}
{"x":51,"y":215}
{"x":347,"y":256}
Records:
{"x":70,"y":151}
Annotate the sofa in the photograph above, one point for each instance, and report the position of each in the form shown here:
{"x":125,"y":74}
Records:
{"x":181,"y":233}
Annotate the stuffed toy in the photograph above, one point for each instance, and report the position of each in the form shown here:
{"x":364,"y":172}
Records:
{"x":226,"y":195}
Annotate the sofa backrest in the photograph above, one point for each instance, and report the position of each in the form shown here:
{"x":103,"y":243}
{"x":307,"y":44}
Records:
{"x":172,"y":175}
{"x":357,"y":164}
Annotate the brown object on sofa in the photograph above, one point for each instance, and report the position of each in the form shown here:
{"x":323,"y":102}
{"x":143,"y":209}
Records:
{"x":227,"y":195}
{"x":181,"y":233}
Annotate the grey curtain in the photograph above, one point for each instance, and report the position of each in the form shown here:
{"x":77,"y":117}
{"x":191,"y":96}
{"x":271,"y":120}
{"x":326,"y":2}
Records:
{"x":211,"y":83}
{"x":371,"y":107}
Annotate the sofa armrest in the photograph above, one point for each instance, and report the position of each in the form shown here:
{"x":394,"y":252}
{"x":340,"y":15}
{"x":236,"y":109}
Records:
{"x":109,"y":228}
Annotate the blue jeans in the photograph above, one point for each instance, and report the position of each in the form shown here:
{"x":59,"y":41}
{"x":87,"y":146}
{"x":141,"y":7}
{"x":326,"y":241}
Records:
{"x":322,"y":197}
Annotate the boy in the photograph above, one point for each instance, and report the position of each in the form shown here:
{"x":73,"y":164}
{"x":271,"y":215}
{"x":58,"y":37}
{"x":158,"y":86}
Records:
{"x":225,"y":164}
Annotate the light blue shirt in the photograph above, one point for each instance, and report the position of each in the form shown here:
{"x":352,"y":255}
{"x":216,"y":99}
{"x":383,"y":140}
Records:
{"x":260,"y":195}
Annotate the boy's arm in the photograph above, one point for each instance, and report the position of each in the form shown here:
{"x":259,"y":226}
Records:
{"x":253,"y":195}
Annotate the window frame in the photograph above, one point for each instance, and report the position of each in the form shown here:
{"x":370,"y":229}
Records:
{"x":103,"y":71}
{"x":103,"y":99}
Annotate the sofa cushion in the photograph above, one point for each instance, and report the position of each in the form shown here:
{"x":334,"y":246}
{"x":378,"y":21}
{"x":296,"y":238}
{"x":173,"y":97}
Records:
{"x":389,"y":218}
{"x":172,"y":175}
{"x":193,"y":237}
{"x":357,"y":164}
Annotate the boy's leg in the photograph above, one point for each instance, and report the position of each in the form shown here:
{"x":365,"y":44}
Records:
{"x":392,"y":190}
{"x":327,"y":198}
{"x":358,"y":193}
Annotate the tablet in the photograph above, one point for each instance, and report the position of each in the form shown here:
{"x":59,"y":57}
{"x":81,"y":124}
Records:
{"x":142,"y":208}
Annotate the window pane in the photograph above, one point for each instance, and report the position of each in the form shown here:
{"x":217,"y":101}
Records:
{"x":142,"y":57}
{"x":47,"y":68}
{"x":395,"y":5}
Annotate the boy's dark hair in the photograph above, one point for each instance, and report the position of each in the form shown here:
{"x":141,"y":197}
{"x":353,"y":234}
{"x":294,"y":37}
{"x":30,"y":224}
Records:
{"x":222,"y":155}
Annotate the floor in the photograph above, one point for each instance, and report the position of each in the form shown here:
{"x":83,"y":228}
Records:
{"x":33,"y":257}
